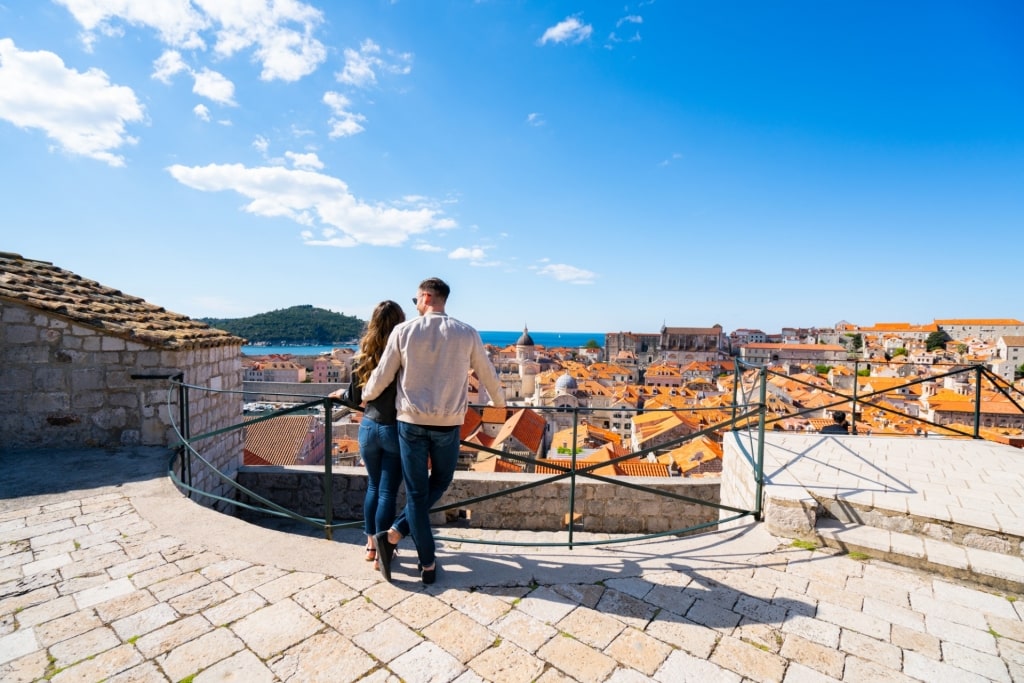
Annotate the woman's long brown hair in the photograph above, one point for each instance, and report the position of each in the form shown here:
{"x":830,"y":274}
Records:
{"x":371,"y":346}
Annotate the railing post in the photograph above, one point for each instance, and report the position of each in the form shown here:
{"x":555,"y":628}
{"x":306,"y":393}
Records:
{"x":759,"y":467}
{"x":186,"y":431}
{"x":977,"y":400}
{"x":328,"y":471}
{"x":736,"y":379}
{"x":853,"y":416}
{"x":572,"y":475}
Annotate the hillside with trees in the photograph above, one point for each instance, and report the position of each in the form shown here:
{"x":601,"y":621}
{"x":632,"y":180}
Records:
{"x":295,"y":325}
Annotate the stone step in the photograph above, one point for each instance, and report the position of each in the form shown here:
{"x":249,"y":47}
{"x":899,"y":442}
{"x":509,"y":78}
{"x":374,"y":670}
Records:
{"x":999,"y":570}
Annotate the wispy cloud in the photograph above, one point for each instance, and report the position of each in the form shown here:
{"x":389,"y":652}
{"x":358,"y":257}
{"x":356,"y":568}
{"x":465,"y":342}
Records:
{"x":308,"y":160}
{"x":569,"y":30}
{"x":362,"y":65}
{"x":535,"y":119}
{"x":566,"y":273}
{"x":280,"y":34}
{"x":676,"y":156}
{"x":343,"y":122}
{"x":202,"y":112}
{"x":38,"y":91}
{"x":319,"y":202}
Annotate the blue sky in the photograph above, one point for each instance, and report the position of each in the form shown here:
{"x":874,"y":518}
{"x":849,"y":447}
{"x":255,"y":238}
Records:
{"x":570,"y":166}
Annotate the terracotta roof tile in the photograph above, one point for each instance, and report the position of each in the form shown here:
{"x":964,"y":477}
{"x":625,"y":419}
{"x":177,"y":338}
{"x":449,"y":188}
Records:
{"x":42,"y":286}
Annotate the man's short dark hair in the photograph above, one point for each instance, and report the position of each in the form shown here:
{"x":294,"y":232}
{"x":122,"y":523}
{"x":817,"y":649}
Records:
{"x":437,"y":287}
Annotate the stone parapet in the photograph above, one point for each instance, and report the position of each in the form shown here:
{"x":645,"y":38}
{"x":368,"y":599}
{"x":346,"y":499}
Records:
{"x":599,"y":507}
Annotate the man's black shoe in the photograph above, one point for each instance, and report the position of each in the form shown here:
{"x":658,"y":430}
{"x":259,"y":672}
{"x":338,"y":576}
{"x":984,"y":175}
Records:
{"x":385,"y":553}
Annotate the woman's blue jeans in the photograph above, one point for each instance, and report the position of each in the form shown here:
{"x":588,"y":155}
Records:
{"x":378,"y":446}
{"x":423,"y":488}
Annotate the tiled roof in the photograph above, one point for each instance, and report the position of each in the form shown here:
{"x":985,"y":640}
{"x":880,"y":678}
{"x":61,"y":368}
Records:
{"x":44,"y":287}
{"x":278,"y":441}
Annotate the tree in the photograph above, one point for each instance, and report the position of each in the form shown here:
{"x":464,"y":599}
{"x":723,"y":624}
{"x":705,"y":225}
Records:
{"x":592,"y":344}
{"x":822,"y":369}
{"x":1019,"y":372}
{"x":936,"y":340}
{"x":899,"y":352}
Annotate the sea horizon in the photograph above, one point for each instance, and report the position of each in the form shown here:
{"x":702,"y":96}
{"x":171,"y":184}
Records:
{"x":499,"y":338}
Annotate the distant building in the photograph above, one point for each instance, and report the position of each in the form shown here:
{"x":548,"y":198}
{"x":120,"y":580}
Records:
{"x":675,"y":344}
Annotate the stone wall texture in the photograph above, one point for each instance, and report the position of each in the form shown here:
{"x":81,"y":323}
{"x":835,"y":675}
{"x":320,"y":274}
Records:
{"x":599,"y":507}
{"x":739,"y":486}
{"x":63,"y":385}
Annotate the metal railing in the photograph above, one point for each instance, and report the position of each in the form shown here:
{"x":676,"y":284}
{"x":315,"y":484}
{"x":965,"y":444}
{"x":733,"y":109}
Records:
{"x":187,"y":455}
{"x":744,"y":413}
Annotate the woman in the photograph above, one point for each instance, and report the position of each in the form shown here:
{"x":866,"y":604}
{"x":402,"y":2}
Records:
{"x":378,"y":430}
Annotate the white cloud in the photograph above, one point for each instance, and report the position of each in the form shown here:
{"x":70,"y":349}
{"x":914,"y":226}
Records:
{"x":535,"y":119}
{"x":167,"y":65}
{"x":307,"y":161}
{"x":676,"y":156}
{"x":567,"y":273}
{"x":315,"y":200}
{"x":201,"y":111}
{"x":82,"y":112}
{"x":629,"y":19}
{"x":177,"y":21}
{"x":261,"y":144}
{"x":343,"y":122}
{"x":280,"y":32}
{"x":361,"y":66}
{"x":424,"y":246}
{"x":569,"y":30}
{"x":214,"y":86}
{"x":468,"y":253}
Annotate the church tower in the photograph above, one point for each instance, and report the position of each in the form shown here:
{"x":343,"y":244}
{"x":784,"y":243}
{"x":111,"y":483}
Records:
{"x":526,"y":356}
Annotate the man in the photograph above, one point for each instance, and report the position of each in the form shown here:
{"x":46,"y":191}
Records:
{"x":838,"y":425}
{"x":431,"y":355}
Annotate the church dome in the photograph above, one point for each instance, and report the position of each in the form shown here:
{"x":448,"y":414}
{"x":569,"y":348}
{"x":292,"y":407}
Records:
{"x":566,"y":383}
{"x":525,"y":339}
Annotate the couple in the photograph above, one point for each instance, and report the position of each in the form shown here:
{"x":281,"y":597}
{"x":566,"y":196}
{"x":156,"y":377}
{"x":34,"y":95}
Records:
{"x":414,"y":377}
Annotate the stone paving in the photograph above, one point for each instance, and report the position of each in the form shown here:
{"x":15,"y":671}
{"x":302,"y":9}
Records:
{"x":134,"y":582}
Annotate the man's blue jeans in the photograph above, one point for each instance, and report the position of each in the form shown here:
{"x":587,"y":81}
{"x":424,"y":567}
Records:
{"x":378,"y":446}
{"x":422,"y":488}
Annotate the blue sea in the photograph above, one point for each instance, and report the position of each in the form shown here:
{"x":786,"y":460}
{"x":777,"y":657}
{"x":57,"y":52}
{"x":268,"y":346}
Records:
{"x":547,"y":339}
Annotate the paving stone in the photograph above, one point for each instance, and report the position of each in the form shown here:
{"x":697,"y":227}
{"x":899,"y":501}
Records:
{"x":17,"y":644}
{"x":250,"y":578}
{"x":816,"y":631}
{"x":526,"y":631}
{"x":918,"y":641}
{"x":426,"y":662}
{"x":46,"y":611}
{"x":814,"y":656}
{"x":591,"y":627}
{"x":275,"y":628}
{"x":712,"y":616}
{"x":862,"y":671}
{"x":576,"y":659}
{"x":635,"y":587}
{"x":989,"y":666}
{"x":460,"y":636}
{"x":102,"y":666}
{"x":146,"y":672}
{"x":223,"y":568}
{"x":585,"y":594}
{"x":546,"y":605}
{"x":627,"y":609}
{"x":670,"y":598}
{"x":82,"y":646}
{"x":201,"y":598}
{"x":924,"y":668}
{"x":149,"y":577}
{"x":198,"y":562}
{"x":178,"y":585}
{"x":854,"y":620}
{"x":479,"y":606}
{"x":971,"y":598}
{"x":31,"y":667}
{"x":325,"y":658}
{"x":638,"y":650}
{"x":355,"y":616}
{"x":287,"y":585}
{"x":871,"y":649}
{"x":419,"y":610}
{"x":759,"y":610}
{"x":62,"y":628}
{"x":385,"y":595}
{"x":195,"y":655}
{"x":146,"y":621}
{"x":387,"y":640}
{"x":683,"y":667}
{"x":506,"y":663}
{"x":171,"y":636}
{"x":131,"y":567}
{"x":798,"y":673}
{"x":683,"y":633}
{"x":244,"y":666}
{"x":926,"y":604}
{"x":234,"y":608}
{"x":130,"y":603}
{"x":982,"y":641}
{"x":765,"y":636}
{"x":747,"y":660}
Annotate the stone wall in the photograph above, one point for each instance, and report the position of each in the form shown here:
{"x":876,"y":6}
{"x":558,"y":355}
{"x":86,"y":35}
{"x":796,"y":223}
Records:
{"x":739,"y":487}
{"x":63,"y":385}
{"x":599,"y":507}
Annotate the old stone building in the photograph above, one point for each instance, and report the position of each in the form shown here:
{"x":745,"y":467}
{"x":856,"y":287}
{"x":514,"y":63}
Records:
{"x":83,"y":365}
